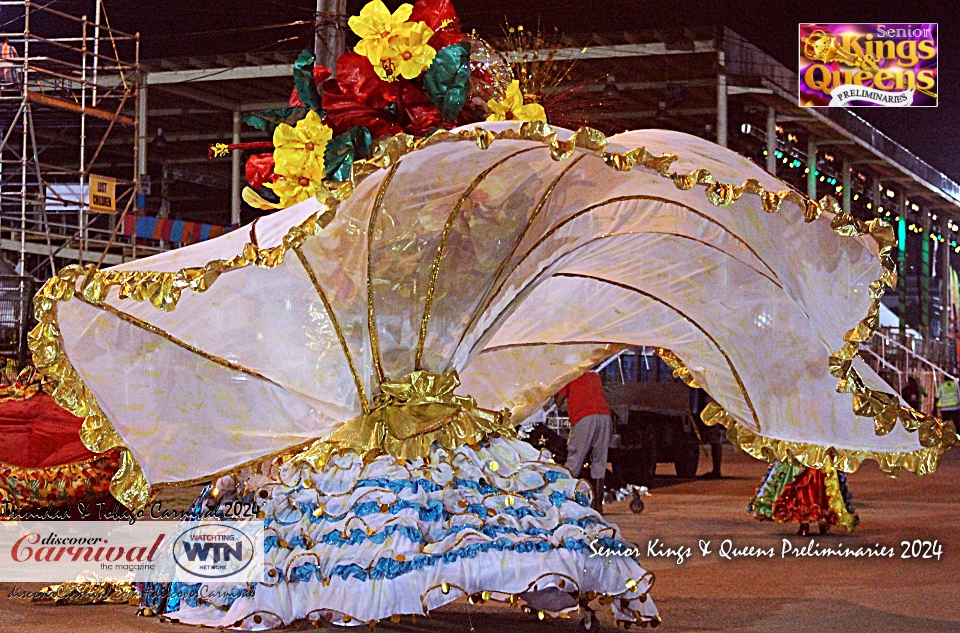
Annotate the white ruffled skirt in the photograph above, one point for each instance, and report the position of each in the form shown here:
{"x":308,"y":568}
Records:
{"x":354,"y":544}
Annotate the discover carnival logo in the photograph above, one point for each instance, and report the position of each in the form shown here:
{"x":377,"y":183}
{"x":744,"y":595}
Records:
{"x":155,"y":551}
{"x":853,"y":65}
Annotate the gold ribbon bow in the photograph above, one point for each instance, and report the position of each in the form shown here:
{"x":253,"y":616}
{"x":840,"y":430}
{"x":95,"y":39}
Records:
{"x":408,"y":417}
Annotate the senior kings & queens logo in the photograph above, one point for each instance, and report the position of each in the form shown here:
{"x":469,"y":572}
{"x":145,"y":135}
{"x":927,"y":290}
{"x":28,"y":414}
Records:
{"x":851,"y":65}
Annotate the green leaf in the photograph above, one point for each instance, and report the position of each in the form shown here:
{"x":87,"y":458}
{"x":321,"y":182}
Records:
{"x":304,"y":83}
{"x":447,"y":81}
{"x":268,"y":120}
{"x":342,"y":150}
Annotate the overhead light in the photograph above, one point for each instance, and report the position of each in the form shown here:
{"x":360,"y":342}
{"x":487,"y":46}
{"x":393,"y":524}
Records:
{"x":889,"y":193}
{"x":745,"y":128}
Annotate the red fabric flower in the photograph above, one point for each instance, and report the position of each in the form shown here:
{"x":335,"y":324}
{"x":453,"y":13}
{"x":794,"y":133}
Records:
{"x":295,"y":100}
{"x":419,"y":114}
{"x":320,"y":75}
{"x":435,"y":13}
{"x":357,"y":96}
{"x":260,"y":169}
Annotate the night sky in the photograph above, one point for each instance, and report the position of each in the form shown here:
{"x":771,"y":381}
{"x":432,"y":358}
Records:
{"x":176,"y":28}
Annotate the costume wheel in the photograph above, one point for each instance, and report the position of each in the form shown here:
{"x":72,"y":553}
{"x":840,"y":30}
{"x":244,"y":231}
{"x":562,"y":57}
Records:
{"x":636,"y":504}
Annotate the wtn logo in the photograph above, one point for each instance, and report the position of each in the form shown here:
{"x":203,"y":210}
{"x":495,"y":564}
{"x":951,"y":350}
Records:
{"x":216,"y":551}
{"x":221,"y":551}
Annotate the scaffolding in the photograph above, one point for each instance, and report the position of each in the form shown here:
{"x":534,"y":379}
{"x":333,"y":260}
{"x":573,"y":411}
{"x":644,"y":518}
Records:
{"x":67,"y":83}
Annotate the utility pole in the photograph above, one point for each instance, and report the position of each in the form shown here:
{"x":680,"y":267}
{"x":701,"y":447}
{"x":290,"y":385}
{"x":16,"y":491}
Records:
{"x":331,"y":23}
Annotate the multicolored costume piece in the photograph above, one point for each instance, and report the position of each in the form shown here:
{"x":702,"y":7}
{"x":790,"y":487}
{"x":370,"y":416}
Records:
{"x":791,"y":493}
{"x":43,"y":464}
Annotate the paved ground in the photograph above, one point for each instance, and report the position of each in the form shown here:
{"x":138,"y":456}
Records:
{"x":709,"y":593}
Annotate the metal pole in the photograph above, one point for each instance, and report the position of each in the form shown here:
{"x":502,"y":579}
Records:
{"x":96,"y":49}
{"x":812,"y":167}
{"x":24,"y":81}
{"x":25,"y":106}
{"x":945,"y":282}
{"x":235,"y":180}
{"x":329,"y":41}
{"x":83,"y":141}
{"x":142,"y":129}
{"x":902,"y":275}
{"x":772,"y":141}
{"x":845,"y":181}
{"x":722,"y":107}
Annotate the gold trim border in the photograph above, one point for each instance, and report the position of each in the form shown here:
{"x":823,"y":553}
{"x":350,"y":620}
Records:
{"x":163,"y":289}
{"x":922,"y":461}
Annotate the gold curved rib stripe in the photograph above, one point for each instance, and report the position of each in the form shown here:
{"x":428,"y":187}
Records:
{"x":619,"y":199}
{"x":497,"y":348}
{"x":492,"y":297}
{"x":143,"y":325}
{"x":733,"y":369}
{"x":488,"y":297}
{"x":447,"y":227}
{"x":361,"y":392}
{"x":371,"y":312}
{"x":529,"y":283}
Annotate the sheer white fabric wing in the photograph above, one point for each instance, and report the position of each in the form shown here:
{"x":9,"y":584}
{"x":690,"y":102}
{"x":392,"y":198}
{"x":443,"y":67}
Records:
{"x":544,"y":268}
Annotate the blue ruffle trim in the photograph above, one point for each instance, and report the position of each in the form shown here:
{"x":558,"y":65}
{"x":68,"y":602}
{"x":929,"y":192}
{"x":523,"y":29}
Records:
{"x":389,"y":568}
{"x":415,"y":534}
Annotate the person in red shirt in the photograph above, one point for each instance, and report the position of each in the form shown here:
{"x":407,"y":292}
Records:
{"x":590,"y":429}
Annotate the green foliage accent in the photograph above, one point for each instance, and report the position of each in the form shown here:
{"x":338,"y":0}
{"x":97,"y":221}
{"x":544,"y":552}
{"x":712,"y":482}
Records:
{"x":342,"y":150}
{"x":447,"y":81}
{"x":268,"y":120}
{"x":304,"y":83}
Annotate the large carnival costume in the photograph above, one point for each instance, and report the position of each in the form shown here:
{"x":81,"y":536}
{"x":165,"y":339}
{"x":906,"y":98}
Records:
{"x":498,"y":260}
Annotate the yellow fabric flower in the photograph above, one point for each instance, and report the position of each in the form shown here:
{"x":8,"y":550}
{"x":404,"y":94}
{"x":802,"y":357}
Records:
{"x":377,"y":27}
{"x":299,"y":151}
{"x":293,"y":190}
{"x":512,"y":107}
{"x":412,"y":53}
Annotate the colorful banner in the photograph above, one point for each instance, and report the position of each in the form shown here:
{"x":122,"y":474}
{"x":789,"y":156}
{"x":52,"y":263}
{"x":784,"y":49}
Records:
{"x":153,"y":228}
{"x":851,"y":65}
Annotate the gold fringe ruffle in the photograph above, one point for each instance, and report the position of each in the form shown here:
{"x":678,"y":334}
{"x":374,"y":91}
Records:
{"x":920,"y":462}
{"x":409,"y":416}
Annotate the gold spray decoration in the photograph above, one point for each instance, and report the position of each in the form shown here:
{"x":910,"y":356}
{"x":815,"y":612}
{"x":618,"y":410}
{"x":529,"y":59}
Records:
{"x":219,"y":150}
{"x":536,"y":61}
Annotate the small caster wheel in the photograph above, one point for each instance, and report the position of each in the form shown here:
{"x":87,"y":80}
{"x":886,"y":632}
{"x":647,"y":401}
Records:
{"x":636,"y":504}
{"x":589,"y":621}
